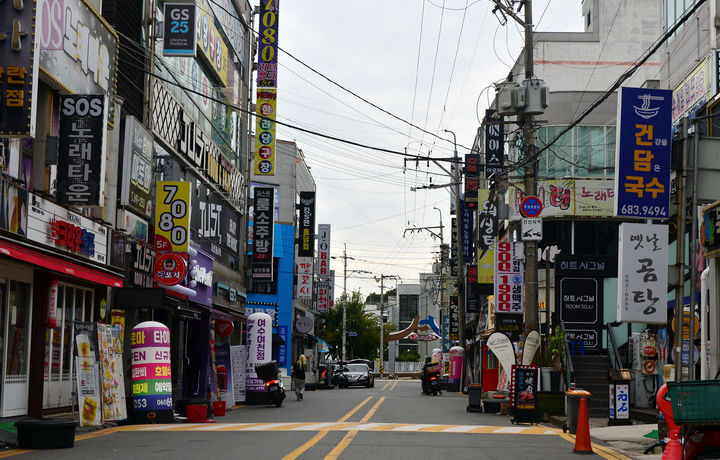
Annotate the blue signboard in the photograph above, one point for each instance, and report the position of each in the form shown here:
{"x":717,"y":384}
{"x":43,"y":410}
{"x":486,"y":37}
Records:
{"x":642,"y":163}
{"x":282,"y":349}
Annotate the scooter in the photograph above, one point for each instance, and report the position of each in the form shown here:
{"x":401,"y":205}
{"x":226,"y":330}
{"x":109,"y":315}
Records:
{"x":276,"y":392}
{"x":268,"y":372}
{"x":431,"y":381}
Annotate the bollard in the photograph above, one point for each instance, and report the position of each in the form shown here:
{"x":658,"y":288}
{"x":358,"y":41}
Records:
{"x":673,"y":449}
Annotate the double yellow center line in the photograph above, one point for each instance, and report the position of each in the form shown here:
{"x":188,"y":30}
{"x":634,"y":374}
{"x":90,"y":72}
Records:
{"x":345,"y":442}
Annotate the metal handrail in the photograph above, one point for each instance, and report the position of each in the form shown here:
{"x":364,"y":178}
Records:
{"x":615,"y":355}
{"x":569,"y":369}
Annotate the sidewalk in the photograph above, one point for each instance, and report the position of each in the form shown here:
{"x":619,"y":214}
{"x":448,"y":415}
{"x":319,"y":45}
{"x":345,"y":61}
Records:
{"x":631,"y":440}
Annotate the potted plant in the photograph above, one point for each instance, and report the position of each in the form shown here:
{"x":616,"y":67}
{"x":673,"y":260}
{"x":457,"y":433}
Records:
{"x":553,"y":357}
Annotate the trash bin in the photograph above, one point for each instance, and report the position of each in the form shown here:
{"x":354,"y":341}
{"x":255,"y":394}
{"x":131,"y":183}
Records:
{"x":619,"y":396}
{"x":474,"y":398}
{"x":572,"y":407}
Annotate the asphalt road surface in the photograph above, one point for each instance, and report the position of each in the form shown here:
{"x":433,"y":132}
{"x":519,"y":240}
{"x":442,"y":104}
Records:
{"x":393,"y":420}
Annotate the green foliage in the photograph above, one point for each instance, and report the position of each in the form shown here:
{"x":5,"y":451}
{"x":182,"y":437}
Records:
{"x":555,"y":350}
{"x":374,"y":298}
{"x":409,"y":355}
{"x":365,"y":343}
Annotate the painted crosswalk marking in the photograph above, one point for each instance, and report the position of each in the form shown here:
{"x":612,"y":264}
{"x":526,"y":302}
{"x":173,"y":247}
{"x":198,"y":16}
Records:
{"x":348,"y":426}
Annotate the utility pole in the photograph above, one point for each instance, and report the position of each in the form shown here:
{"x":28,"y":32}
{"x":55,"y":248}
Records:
{"x":531,"y":275}
{"x":527,"y":120}
{"x":382,"y":309}
{"x":344,"y":318}
{"x":458,"y":247}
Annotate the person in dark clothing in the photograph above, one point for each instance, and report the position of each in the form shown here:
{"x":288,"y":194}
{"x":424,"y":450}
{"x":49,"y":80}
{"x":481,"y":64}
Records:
{"x":298,"y":374}
{"x":428,"y":368}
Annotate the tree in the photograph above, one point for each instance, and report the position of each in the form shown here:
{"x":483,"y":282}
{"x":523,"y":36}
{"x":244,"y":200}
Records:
{"x":374,"y":298}
{"x":367,"y":326}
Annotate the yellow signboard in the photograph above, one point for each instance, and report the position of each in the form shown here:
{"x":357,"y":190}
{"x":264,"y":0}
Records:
{"x":486,"y":258}
{"x":211,"y":44}
{"x":266,"y":109}
{"x":172,"y":216}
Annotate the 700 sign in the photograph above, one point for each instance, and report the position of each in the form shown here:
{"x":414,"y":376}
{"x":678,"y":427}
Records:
{"x":172,"y":216}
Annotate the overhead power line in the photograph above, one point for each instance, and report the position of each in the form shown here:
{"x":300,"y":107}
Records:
{"x":624,"y":77}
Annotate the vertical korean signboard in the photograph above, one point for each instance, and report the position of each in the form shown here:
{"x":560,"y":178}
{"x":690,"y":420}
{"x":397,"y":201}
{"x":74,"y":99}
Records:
{"x":263,"y":225}
{"x":494,"y":143}
{"x":266,"y":106}
{"x":487,"y":231}
{"x":81,"y":150}
{"x":472,"y":179}
{"x":642,"y":273}
{"x":137,"y":167}
{"x":304,"y":278}
{"x":18,"y":69}
{"x":508,"y":279}
{"x":642,"y":162}
{"x":179,"y":29}
{"x":172,"y":216}
{"x":267,"y":46}
{"x":266,"y":88}
{"x":306,"y":247}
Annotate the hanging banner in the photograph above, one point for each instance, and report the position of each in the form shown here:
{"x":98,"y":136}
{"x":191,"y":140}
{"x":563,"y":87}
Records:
{"x":81,"y":150}
{"x":306,"y":246}
{"x":494,"y":143}
{"x":18,"y":69}
{"x":179,"y":29}
{"x":509,"y":279}
{"x":172,"y":216}
{"x":642,"y":161}
{"x":642,"y":273}
{"x":268,"y":44}
{"x":223,"y":367}
{"x":265,"y":145}
{"x":263,"y":225}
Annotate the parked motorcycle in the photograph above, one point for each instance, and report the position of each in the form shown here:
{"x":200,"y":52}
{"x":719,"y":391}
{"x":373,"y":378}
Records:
{"x":268,"y":372}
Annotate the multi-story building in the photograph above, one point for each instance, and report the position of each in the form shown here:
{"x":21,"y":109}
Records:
{"x":278,"y":297}
{"x":78,"y":187}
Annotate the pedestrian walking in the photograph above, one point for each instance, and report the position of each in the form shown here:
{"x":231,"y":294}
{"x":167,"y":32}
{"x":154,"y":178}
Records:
{"x":298,"y":374}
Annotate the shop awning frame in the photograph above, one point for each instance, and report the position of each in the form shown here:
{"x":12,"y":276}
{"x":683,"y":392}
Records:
{"x":46,"y":260}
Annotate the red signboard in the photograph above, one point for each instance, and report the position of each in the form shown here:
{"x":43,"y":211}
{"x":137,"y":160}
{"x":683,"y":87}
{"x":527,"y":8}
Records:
{"x":170,"y":268}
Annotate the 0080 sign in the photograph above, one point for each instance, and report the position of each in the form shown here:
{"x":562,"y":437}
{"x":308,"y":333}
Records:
{"x":172,"y":216}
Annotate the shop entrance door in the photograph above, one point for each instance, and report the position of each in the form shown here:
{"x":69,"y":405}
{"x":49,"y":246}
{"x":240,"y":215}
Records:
{"x":15,"y":312}
{"x":74,"y":304}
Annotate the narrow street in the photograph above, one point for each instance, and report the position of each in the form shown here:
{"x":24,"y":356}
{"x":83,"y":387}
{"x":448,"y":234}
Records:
{"x":390,"y":421}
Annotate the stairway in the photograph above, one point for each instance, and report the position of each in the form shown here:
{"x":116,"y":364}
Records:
{"x":591,"y":374}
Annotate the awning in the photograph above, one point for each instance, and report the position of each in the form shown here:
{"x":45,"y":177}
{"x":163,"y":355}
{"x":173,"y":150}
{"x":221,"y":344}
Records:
{"x":59,"y":265}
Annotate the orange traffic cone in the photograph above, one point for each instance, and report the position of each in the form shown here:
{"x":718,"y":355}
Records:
{"x":582,"y":435}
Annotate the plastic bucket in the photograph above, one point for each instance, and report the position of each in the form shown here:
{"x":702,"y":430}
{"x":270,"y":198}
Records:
{"x":218,"y":408}
{"x":196,"y":413}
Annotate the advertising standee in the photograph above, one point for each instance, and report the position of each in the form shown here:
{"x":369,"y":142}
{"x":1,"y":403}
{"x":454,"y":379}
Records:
{"x":151,"y":372}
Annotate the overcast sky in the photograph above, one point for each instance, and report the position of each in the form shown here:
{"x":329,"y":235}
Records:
{"x":425,"y":64}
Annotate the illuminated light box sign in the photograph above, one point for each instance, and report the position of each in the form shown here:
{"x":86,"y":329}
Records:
{"x":151,"y":375}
